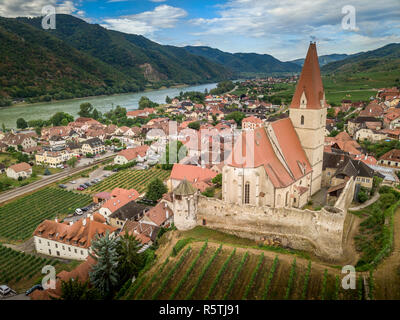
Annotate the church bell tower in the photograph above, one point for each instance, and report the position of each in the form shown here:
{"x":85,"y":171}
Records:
{"x":308,"y":114}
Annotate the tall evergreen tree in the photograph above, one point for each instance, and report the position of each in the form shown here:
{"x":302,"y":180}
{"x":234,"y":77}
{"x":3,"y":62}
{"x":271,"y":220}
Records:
{"x":104,"y":274}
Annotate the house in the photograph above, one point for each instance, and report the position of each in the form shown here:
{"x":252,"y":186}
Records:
{"x":128,"y":155}
{"x":161,"y":215}
{"x":20,"y":170}
{"x":57,"y":142}
{"x":140,"y":113}
{"x":52,"y":158}
{"x":190,"y":173}
{"x":357,"y":123}
{"x":338,"y":168}
{"x":69,"y":240}
{"x":20,"y":139}
{"x":370,"y":135}
{"x":93,"y":146}
{"x":390,"y":159}
{"x":131,"y":211}
{"x":252,"y":123}
{"x":372,"y":110}
{"x":119,"y":198}
{"x":143,"y":231}
{"x":392,"y":119}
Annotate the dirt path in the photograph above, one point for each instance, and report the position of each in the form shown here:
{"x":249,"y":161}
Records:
{"x":387,"y":276}
{"x":367,"y":203}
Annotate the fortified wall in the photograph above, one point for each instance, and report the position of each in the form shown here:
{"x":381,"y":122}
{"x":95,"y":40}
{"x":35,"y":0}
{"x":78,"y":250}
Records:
{"x":320,"y":232}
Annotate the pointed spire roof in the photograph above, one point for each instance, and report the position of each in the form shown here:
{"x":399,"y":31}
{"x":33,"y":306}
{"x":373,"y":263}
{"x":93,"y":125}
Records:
{"x":310,"y":82}
{"x":185,"y":188}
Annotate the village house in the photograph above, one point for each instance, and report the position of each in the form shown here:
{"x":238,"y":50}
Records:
{"x":19,"y":139}
{"x":138,"y":154}
{"x":370,"y":135}
{"x":145,"y":232}
{"x":52,"y":158}
{"x":390,"y":159}
{"x":392,"y":119}
{"x":140,"y":113}
{"x":93,"y":146}
{"x":20,"y":170}
{"x":162,"y":215}
{"x":357,"y":123}
{"x":57,"y":142}
{"x":252,"y":123}
{"x":70,"y":240}
{"x":372,"y":110}
{"x":195,"y":175}
{"x":119,"y":198}
{"x":131,"y":211}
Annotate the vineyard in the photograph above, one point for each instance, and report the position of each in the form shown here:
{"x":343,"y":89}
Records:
{"x":127,"y":179}
{"x":205,"y":270}
{"x":17,"y":266}
{"x":18,"y":219}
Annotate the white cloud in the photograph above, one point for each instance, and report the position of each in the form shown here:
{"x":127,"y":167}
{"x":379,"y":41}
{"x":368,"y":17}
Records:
{"x":22,"y":8}
{"x":146,"y":23}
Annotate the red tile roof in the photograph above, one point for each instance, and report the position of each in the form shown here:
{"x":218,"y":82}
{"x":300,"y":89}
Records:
{"x":133,"y":153}
{"x":191,"y":173}
{"x":160,"y":213}
{"x":310,"y":82}
{"x":119,"y":198}
{"x":19,"y":167}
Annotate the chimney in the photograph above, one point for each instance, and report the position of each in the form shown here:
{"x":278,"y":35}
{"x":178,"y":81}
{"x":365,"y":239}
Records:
{"x":56,"y":219}
{"x":84,"y":222}
{"x":71,"y":223}
{"x":166,"y":214}
{"x":91,"y":217}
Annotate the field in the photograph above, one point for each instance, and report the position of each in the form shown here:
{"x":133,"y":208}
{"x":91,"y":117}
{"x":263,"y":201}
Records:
{"x":207,"y":270}
{"x":127,"y":179}
{"x":17,"y":268}
{"x":19,"y":218}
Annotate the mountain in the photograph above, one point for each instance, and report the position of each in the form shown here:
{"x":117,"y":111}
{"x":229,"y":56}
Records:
{"x":385,"y":59}
{"x":323,"y":60}
{"x":80,"y":59}
{"x":244,"y":62}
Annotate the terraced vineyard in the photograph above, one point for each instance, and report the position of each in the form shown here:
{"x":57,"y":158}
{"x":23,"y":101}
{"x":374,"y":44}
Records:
{"x":18,"y":219}
{"x":127,"y":179}
{"x":204,"y":270}
{"x":17,"y":266}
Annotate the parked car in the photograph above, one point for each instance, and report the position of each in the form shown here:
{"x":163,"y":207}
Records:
{"x":62,"y":186}
{"x":93,"y":182}
{"x":60,"y":166}
{"x":35,"y":287}
{"x":80,"y":189}
{"x":83,"y":186}
{"x":4,"y":290}
{"x":72,"y":182}
{"x":88,"y":184}
{"x":79,"y":212}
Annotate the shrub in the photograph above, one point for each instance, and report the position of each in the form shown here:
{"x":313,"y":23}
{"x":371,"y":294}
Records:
{"x":253,"y":277}
{"x":236,"y":275}
{"x":270,"y":277}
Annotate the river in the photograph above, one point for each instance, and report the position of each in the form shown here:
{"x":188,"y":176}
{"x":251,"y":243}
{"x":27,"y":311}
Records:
{"x":9,"y":115}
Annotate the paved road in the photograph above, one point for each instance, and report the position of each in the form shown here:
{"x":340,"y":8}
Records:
{"x":366,"y":203}
{"x":47,"y":180}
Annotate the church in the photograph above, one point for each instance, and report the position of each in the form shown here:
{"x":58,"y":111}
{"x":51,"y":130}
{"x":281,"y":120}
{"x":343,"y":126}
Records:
{"x":280,"y":164}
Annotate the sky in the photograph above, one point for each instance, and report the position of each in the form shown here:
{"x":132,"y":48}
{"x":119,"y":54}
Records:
{"x":282,"y":28}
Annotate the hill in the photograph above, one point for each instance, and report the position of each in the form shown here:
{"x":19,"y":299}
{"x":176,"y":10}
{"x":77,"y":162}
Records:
{"x":245,"y":62}
{"x":383,"y":59}
{"x":81,"y":59}
{"x":323,"y":60}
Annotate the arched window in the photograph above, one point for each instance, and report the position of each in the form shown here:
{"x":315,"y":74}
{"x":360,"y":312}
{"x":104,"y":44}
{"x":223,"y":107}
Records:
{"x":302,"y":120}
{"x":247,"y":193}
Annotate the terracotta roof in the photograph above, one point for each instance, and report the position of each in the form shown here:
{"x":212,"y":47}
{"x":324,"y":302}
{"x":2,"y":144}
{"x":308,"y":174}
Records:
{"x":310,"y":82}
{"x":19,"y":167}
{"x":133,"y":153}
{"x":119,"y":198}
{"x":372,"y":110}
{"x":392,"y":155}
{"x":252,"y":119}
{"x":160,"y":213}
{"x":191,"y":173}
{"x":78,"y":234}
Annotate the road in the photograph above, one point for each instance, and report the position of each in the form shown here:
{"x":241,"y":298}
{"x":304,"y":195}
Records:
{"x":6,"y":196}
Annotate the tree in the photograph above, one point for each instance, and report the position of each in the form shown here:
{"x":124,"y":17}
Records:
{"x":145,"y":102}
{"x":47,"y":172}
{"x":237,"y":116}
{"x":217,"y":180}
{"x":61,"y":117}
{"x":156,"y":189}
{"x":168,"y":100}
{"x":21,"y":123}
{"x":130,"y":262}
{"x":104,"y":276}
{"x":86,"y":110}
{"x":209,"y":192}
{"x":194,"y":125}
{"x":73,"y":289}
{"x":72,"y":162}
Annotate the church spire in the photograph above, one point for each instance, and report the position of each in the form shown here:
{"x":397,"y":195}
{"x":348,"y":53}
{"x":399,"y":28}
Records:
{"x":309,"y":91}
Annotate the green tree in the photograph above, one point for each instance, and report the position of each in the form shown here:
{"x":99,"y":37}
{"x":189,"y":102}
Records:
{"x":217,"y":180}
{"x":194,"y":125}
{"x":237,"y":116}
{"x":156,"y":189}
{"x":21,"y":123}
{"x":19,"y":147}
{"x":130,"y":262}
{"x":73,"y":290}
{"x":104,"y":275}
{"x":145,"y":102}
{"x":168,"y":100}
{"x":86,"y":110}
{"x":72,"y":162}
{"x":58,"y":118}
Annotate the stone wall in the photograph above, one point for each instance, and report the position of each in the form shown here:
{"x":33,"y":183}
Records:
{"x":320,"y":232}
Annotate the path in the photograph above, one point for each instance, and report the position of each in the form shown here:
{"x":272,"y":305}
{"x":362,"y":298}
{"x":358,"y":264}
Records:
{"x":366,"y":203}
{"x":6,"y":196}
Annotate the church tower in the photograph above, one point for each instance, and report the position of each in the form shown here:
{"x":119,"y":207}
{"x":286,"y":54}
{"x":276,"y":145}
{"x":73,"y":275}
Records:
{"x":185,"y":206}
{"x":308,"y":114}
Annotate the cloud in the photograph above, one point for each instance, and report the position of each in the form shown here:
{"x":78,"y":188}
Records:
{"x":148,"y":22}
{"x":22,"y":8}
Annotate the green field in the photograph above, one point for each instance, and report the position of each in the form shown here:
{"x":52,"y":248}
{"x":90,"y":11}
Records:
{"x":19,"y":218}
{"x":204,"y":270}
{"x":127,"y":179}
{"x":18,"y":267}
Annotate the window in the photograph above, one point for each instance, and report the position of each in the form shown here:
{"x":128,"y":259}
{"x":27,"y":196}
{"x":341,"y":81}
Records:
{"x":302,"y":120}
{"x":40,"y":241}
{"x":48,"y":243}
{"x":81,"y":252}
{"x":58,"y":253}
{"x":49,"y":251}
{"x":247,"y":193}
{"x":76,"y":251}
{"x":56,"y":245}
{"x":69,"y":249}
